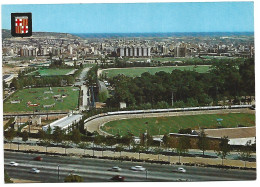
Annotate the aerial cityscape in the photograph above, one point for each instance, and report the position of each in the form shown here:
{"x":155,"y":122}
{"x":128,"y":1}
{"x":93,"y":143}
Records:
{"x":129,"y":92}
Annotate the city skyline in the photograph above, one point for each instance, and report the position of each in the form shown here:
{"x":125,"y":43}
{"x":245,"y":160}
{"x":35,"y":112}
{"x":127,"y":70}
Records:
{"x":138,"y":17}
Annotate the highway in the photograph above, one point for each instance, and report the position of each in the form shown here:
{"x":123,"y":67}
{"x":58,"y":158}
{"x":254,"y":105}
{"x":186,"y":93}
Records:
{"x":95,"y":170}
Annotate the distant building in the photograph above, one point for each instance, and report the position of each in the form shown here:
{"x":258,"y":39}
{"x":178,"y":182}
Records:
{"x":180,"y":51}
{"x":134,"y":51}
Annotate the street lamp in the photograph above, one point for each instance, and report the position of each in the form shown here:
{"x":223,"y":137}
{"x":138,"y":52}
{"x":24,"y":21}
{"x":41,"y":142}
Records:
{"x":58,"y":173}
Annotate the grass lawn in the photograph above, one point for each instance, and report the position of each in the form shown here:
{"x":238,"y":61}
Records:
{"x":37,"y":96}
{"x":51,"y":72}
{"x":135,"y":72}
{"x":174,"y":123}
{"x":165,"y":59}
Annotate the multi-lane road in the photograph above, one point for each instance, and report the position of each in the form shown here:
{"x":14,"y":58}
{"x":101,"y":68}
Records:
{"x":95,"y":170}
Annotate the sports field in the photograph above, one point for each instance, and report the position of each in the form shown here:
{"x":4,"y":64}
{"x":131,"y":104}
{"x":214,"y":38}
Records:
{"x":52,"y":72}
{"x":165,"y":59}
{"x":135,"y":72}
{"x":58,"y":98}
{"x":174,"y":123}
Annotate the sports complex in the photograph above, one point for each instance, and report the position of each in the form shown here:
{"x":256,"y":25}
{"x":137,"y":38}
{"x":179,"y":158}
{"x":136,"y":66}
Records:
{"x":52,"y":72}
{"x":43,"y":99}
{"x":162,"y":121}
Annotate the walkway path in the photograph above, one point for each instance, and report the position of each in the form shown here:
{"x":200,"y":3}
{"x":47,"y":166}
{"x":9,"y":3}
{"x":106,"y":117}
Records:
{"x":84,"y":89}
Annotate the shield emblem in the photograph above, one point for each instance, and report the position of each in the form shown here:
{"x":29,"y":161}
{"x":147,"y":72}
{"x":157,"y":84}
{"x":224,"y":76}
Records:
{"x":21,"y":24}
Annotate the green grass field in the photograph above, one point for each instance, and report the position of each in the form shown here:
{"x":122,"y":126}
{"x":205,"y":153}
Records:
{"x":37,"y":96}
{"x":51,"y":72}
{"x":135,"y":72}
{"x":174,"y":123}
{"x":165,"y":59}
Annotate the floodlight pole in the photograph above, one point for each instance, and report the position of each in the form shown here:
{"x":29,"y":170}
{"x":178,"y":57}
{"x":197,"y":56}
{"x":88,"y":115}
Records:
{"x":58,"y":173}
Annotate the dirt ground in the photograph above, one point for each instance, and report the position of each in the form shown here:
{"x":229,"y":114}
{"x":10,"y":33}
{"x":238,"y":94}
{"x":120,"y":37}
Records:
{"x":10,"y":70}
{"x":23,"y":181}
{"x":243,"y":132}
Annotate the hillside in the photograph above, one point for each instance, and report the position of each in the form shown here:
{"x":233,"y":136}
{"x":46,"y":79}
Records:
{"x":7,"y":34}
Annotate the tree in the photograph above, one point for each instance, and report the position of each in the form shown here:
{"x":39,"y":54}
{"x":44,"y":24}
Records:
{"x":224,"y":148}
{"x":102,"y":96}
{"x":183,"y":146}
{"x":57,"y":135}
{"x":119,"y":148}
{"x":166,"y":140}
{"x":203,"y":142}
{"x":246,"y":151}
{"x":185,"y":131}
{"x":7,"y":178}
{"x":110,"y":141}
{"x":41,"y":134}
{"x":158,"y":151}
{"x":25,"y":136}
{"x":84,"y":145}
{"x":48,"y":133}
{"x":73,"y":178}
{"x":66,"y":144}
{"x":15,"y":84}
{"x":146,"y":140}
{"x":127,"y":140}
{"x":45,"y":138}
{"x":9,"y":135}
{"x":76,"y":136}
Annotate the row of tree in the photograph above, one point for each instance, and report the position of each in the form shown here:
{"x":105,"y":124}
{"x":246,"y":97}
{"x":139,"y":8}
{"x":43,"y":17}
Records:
{"x":181,"y":147}
{"x":126,"y":62}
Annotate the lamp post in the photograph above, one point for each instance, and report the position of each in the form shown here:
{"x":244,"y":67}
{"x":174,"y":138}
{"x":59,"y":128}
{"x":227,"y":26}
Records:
{"x":58,"y":173}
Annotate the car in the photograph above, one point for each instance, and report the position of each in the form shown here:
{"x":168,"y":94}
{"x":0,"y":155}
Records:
{"x":38,"y":158}
{"x":137,"y":168}
{"x":180,"y":170}
{"x":115,"y":168}
{"x":13,"y":164}
{"x":118,"y":178}
{"x":34,"y":170}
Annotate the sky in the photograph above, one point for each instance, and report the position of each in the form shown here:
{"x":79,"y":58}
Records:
{"x":137,"y":17}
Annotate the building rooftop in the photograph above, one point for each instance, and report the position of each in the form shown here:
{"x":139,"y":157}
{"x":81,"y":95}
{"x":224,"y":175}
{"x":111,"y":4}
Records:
{"x":64,"y":122}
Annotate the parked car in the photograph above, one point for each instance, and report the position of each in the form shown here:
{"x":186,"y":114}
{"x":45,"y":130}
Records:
{"x":38,"y":158}
{"x":115,"y":168}
{"x":138,"y":168}
{"x":118,"y":178}
{"x":13,"y":164}
{"x":35,"y":170}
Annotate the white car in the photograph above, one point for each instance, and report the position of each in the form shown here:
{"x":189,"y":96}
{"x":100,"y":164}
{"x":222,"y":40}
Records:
{"x":138,"y":168}
{"x":115,"y":168}
{"x":35,"y":170}
{"x":181,"y":170}
{"x":13,"y":164}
